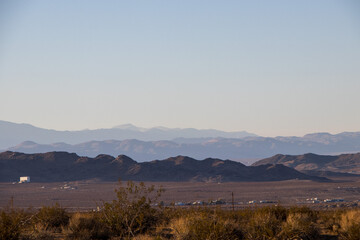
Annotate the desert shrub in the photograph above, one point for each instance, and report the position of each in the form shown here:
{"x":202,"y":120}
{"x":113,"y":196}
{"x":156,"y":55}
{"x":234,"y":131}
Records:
{"x":10,"y":224}
{"x":265,"y":223}
{"x":331,"y":220}
{"x":350,"y":225}
{"x":299,"y":225}
{"x":86,"y":226}
{"x":51,"y":218}
{"x":39,"y":235}
{"x":170,"y":213}
{"x":212,"y":227}
{"x":19,"y":224}
{"x":203,"y":223}
{"x":146,"y":237}
{"x":306,"y":211}
{"x":132,"y":212}
{"x":179,"y":227}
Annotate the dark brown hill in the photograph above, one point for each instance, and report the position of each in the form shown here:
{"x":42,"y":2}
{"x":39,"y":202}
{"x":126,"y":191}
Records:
{"x":63,"y":166}
{"x":344,"y":163}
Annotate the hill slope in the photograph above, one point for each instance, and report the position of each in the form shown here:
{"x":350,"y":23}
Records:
{"x":63,"y":166}
{"x":346,"y":163}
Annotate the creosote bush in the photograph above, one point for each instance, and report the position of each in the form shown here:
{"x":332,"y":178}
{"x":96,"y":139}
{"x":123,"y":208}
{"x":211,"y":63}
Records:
{"x":280,"y":223}
{"x":86,"y":226}
{"x":331,"y":220}
{"x":299,"y":226}
{"x":350,"y":225}
{"x":132,"y":212}
{"x":265,"y":223}
{"x":51,"y":218}
{"x":201,"y":223}
{"x":208,"y":225}
{"x":10,"y":224}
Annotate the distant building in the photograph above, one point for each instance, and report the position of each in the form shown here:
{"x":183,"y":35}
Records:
{"x":334,"y":200}
{"x":25,"y":179}
{"x":267,"y":201}
{"x":179,"y":204}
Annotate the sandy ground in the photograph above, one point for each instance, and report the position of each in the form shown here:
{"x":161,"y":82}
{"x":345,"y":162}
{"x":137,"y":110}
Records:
{"x":87,"y":195}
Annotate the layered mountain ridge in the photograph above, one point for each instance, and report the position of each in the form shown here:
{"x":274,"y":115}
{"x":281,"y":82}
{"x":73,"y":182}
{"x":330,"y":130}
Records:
{"x":63,"y":166}
{"x":247,"y":149}
{"x":160,"y":143}
{"x":344,"y":163}
{"x":14,"y":133}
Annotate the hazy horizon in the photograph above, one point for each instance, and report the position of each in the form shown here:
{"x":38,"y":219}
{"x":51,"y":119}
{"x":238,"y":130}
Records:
{"x":272,"y":68}
{"x":148,"y":128}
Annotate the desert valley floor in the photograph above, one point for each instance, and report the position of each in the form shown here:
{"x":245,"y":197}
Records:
{"x":87,"y":195}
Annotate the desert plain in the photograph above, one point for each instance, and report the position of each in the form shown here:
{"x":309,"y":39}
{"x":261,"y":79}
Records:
{"x":89,"y":195}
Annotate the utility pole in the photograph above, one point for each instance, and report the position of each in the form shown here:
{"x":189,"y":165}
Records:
{"x":232,"y":197}
{"x":12,"y":202}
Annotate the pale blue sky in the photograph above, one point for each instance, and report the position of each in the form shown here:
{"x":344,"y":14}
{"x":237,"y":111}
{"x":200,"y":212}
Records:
{"x":267,"y":67}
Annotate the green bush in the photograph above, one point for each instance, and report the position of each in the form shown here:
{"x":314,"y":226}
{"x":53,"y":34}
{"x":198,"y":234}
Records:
{"x":51,"y":218}
{"x":132,"y":212}
{"x":299,"y":226}
{"x":10,"y":224}
{"x":86,"y":226}
{"x":351,"y":233}
{"x":211,"y":227}
{"x":311,"y":214}
{"x":350,"y":225}
{"x":330,"y":220}
{"x":42,"y":235}
{"x":265,"y":223}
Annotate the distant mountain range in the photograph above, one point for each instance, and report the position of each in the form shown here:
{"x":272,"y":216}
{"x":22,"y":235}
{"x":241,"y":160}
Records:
{"x":344,"y":163}
{"x":249,"y":149}
{"x":144,"y":144}
{"x":63,"y":166}
{"x":12,"y":134}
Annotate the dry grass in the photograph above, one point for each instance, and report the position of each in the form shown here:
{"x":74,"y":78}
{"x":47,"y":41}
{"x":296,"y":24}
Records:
{"x":179,"y":227}
{"x":197,"y":223}
{"x":299,"y":226}
{"x":86,"y":226}
{"x":349,"y":219}
{"x":350,"y":225}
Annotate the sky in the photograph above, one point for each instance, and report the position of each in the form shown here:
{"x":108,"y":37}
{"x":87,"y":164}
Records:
{"x":274,"y":68}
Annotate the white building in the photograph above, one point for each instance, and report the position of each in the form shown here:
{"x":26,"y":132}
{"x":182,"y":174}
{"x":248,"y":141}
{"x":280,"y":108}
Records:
{"x":25,"y":179}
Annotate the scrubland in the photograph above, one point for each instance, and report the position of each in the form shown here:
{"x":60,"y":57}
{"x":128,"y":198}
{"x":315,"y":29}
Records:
{"x":137,"y":214}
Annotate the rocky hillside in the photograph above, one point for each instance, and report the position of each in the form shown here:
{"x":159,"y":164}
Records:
{"x":63,"y":166}
{"x":345,"y":163}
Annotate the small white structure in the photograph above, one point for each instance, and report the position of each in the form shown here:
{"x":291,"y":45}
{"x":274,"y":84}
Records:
{"x":25,"y":179}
